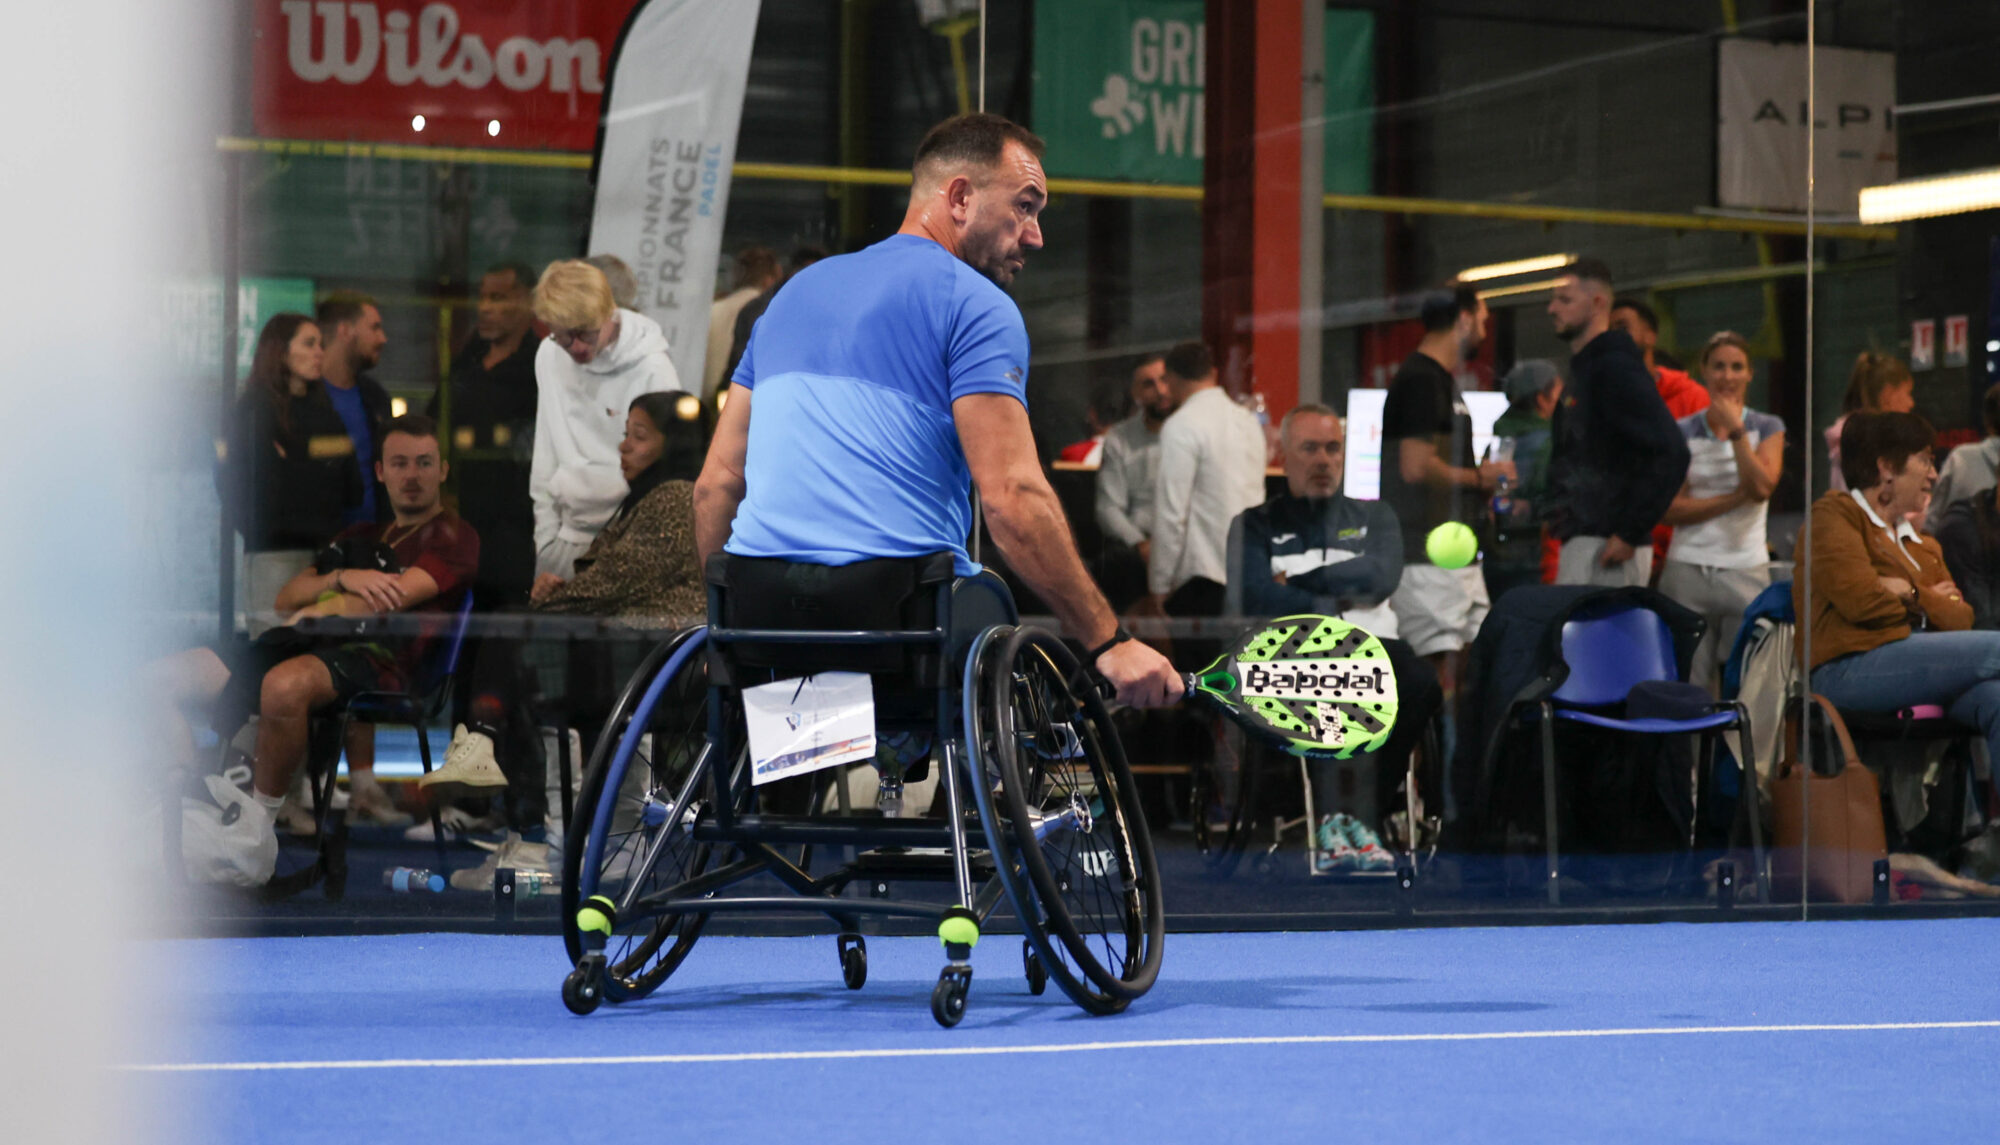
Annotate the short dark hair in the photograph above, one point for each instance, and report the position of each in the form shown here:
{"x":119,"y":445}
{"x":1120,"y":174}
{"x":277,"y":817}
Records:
{"x":1867,"y":437}
{"x":1591,"y":270}
{"x":1189,"y":360}
{"x":805,"y":256}
{"x":1112,"y":403}
{"x":976,"y":137}
{"x":1440,"y":308}
{"x":341,"y":306}
{"x":1989,"y":406}
{"x":754,"y":264}
{"x":1144,"y":360}
{"x":1645,"y":312}
{"x":412,"y":425}
{"x":524,"y":278}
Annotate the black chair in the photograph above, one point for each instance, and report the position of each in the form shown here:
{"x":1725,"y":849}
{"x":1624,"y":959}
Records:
{"x":427,"y":697}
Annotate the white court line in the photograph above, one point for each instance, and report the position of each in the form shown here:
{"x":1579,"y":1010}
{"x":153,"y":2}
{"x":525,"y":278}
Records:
{"x":1060,"y":1048}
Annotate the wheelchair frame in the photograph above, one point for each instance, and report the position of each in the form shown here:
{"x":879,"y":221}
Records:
{"x":885,"y":849}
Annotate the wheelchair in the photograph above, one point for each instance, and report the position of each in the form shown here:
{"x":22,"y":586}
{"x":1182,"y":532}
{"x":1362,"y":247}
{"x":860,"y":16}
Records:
{"x":1037,"y":803}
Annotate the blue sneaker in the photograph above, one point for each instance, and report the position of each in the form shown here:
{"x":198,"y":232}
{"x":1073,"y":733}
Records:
{"x":1369,"y":853}
{"x":1332,"y":852}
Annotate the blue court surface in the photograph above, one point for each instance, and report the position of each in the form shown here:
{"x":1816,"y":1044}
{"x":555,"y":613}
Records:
{"x":1753,"y":1032}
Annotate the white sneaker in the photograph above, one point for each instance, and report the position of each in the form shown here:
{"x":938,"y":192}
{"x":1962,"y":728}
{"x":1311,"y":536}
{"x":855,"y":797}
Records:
{"x":469,"y":766}
{"x":232,"y":840}
{"x":513,"y":852}
{"x":368,"y":803}
{"x":457,"y":822}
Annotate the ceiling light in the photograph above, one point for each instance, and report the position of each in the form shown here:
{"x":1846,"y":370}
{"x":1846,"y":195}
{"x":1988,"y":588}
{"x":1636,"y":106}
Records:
{"x":688,"y":407}
{"x":1523,"y":288}
{"x":416,"y":123}
{"x":1518,"y":266}
{"x":1928,"y":198}
{"x":493,"y":127}
{"x":398,"y":407}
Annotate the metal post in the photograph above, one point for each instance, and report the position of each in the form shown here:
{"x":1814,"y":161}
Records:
{"x":232,"y":243}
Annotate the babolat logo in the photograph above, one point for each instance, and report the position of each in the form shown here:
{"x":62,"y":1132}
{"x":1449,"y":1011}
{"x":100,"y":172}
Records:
{"x":1327,"y":680}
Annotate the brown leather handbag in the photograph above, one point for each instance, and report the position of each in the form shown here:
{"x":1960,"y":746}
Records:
{"x":1827,"y":829}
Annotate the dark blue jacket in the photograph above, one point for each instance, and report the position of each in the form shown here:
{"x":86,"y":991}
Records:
{"x":1336,"y":554}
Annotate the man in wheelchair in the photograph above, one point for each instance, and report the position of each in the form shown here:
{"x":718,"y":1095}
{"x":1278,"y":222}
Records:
{"x":423,"y":561}
{"x":886,"y":382}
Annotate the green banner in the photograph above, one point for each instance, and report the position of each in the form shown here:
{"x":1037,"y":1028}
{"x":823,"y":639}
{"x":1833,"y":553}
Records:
{"x":192,"y":319}
{"x":1119,"y":91}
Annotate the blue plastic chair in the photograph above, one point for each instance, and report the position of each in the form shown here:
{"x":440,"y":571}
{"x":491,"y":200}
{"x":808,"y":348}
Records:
{"x":1606,"y":654}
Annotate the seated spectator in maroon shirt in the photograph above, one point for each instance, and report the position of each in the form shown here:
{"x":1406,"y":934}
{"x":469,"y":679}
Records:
{"x":421,"y":562}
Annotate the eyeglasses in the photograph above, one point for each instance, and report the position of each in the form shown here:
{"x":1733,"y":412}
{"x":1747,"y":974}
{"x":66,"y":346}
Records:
{"x":567,"y":338}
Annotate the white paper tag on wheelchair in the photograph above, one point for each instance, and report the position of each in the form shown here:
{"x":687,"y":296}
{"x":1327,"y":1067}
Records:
{"x":1316,"y":684}
{"x":806,"y":724}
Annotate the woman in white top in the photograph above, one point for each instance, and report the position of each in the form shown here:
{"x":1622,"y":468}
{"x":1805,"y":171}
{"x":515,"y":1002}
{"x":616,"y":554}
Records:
{"x":1718,"y":561}
{"x":595,"y":361}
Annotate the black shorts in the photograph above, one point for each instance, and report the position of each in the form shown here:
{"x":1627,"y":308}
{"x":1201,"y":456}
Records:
{"x":355,"y":668}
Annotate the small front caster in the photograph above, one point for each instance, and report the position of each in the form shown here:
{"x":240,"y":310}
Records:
{"x":583,"y":987}
{"x":948,"y":997}
{"x":1031,"y":963}
{"x":853,"y":961}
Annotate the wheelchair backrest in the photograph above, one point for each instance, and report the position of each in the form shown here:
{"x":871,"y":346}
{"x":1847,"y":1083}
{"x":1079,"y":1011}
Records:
{"x":880,"y":598}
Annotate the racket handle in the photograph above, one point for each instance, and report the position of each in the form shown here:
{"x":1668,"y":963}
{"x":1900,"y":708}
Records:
{"x":1188,"y":685}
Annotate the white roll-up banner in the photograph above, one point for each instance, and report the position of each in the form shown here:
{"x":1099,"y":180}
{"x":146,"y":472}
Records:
{"x":664,"y":153}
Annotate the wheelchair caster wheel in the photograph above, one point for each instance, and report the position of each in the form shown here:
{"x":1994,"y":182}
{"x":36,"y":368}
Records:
{"x":853,"y":961}
{"x":583,"y":987}
{"x":1031,"y":963}
{"x":948,"y":996}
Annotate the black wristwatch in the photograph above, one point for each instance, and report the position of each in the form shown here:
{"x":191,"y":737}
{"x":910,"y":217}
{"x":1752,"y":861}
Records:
{"x":1117,"y":638}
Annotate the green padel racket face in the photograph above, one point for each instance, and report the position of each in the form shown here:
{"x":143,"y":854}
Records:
{"x":1318,"y":685}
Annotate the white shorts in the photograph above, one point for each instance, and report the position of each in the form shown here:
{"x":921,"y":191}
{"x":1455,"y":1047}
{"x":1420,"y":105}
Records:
{"x":1440,"y":610}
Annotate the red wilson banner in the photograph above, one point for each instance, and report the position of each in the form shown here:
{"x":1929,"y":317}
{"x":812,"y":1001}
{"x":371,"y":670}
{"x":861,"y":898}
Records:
{"x":493,"y":73}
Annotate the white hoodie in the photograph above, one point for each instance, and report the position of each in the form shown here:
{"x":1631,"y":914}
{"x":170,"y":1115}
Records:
{"x":579,"y":421}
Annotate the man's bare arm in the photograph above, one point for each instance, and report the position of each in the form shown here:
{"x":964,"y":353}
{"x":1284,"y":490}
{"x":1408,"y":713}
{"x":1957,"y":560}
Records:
{"x":719,"y":489}
{"x":1025,"y":516}
{"x":1031,"y":531}
{"x":1421,"y":464}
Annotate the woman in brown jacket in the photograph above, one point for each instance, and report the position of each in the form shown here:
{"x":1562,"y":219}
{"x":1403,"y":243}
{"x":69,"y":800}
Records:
{"x":1889,"y":628}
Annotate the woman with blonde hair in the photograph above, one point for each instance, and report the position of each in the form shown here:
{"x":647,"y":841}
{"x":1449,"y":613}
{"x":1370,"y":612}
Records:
{"x":1718,"y":561}
{"x":595,"y":361}
{"x":1880,"y":383}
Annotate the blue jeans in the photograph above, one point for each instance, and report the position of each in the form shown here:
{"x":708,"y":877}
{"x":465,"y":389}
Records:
{"x":1959,"y":671}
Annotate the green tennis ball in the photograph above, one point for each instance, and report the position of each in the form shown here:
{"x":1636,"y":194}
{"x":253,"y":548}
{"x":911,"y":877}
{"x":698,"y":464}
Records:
{"x":960,"y":930}
{"x":595,"y":920}
{"x":1451,"y":546}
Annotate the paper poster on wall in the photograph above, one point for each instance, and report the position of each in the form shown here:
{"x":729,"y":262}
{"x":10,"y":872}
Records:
{"x":1760,"y":135}
{"x":1956,"y":329}
{"x":1923,"y":344}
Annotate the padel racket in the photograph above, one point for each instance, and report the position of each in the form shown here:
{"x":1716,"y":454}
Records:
{"x":1316,"y":684}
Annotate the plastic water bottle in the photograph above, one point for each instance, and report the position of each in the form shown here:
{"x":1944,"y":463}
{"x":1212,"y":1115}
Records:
{"x":1502,"y":449}
{"x":408,"y":880}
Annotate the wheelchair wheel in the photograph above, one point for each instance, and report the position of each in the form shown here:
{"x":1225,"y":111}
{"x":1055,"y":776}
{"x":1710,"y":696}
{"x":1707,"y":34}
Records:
{"x":1070,"y":813}
{"x":634,"y":850}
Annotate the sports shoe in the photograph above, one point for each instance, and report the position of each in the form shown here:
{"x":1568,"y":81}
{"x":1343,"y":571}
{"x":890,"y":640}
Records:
{"x":1331,"y":850}
{"x":368,"y":803}
{"x":296,"y":819}
{"x":469,"y":767}
{"x":457,"y":822}
{"x":1369,"y":853}
{"x":230,"y":840}
{"x":514,"y":852}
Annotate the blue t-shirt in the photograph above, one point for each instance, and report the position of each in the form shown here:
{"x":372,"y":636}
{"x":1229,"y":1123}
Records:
{"x":354,"y":415}
{"x":853,"y":453}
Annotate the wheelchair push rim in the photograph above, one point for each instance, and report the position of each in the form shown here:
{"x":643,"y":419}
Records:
{"x":624,"y":833}
{"x":1069,"y":839}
